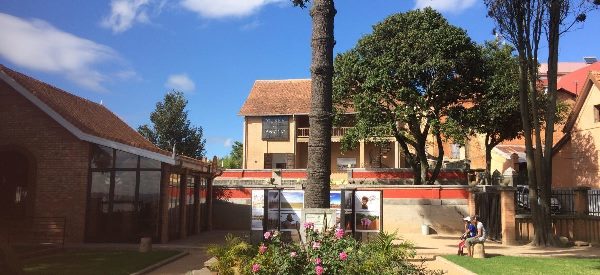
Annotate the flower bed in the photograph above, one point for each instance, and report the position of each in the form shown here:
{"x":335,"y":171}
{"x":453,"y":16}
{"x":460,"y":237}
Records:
{"x":329,"y":252}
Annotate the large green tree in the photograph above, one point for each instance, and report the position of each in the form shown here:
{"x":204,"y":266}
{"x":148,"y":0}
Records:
{"x":171,"y":127}
{"x":403,"y":78}
{"x":495,"y":114}
{"x":234,"y":159}
{"x":321,"y":114}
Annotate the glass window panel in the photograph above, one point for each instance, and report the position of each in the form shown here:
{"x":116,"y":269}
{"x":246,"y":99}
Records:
{"x":126,"y":160}
{"x":124,"y":196}
{"x":149,"y":202}
{"x":149,"y":163}
{"x":97,"y":217}
{"x":99,"y":192}
{"x":102,"y":157}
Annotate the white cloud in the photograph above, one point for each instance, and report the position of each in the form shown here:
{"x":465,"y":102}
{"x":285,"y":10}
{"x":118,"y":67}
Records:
{"x":126,"y":12}
{"x":228,"y":142}
{"x":225,"y":8}
{"x":180,"y":82}
{"x":454,"y":6}
{"x":37,"y":45}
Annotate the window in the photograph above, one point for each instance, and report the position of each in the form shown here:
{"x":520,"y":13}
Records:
{"x":275,"y":128}
{"x":455,"y":154}
{"x":596,"y":113}
{"x":123,"y":200}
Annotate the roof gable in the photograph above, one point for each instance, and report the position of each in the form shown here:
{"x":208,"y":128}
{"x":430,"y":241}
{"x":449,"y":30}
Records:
{"x":592,"y":79}
{"x":85,"y":119}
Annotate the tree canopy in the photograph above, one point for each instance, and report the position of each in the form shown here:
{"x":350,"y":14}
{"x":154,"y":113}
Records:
{"x":403,"y":78}
{"x":171,"y":127}
{"x":234,"y":159}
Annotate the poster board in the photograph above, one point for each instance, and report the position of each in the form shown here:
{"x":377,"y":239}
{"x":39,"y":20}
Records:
{"x":367,"y":211}
{"x":258,"y":209}
{"x":353,"y":210}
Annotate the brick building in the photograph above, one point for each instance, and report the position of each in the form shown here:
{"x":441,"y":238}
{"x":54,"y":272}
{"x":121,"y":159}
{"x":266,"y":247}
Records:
{"x":66,"y":158}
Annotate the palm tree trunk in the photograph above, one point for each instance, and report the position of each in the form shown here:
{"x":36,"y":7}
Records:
{"x":319,"y":144}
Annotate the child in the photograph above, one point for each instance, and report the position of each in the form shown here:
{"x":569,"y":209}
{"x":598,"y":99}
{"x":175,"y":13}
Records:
{"x":470,"y":231}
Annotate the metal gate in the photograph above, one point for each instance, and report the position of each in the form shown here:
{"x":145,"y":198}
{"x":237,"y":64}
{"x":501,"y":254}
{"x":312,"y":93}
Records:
{"x":487,"y":206}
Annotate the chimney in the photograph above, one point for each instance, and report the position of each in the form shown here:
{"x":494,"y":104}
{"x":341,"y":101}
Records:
{"x":590,"y":59}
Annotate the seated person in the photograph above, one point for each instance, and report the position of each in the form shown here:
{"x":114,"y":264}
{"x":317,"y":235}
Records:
{"x":479,"y":238}
{"x":470,"y":231}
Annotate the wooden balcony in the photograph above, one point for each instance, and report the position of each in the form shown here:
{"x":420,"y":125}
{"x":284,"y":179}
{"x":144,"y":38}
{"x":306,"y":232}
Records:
{"x":335,"y":132}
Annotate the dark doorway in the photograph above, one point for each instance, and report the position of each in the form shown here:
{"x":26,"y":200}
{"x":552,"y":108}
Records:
{"x":14,"y":184}
{"x":487,"y":206}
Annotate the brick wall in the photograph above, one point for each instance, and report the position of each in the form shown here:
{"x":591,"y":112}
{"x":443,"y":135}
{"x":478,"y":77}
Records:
{"x":61,"y":169}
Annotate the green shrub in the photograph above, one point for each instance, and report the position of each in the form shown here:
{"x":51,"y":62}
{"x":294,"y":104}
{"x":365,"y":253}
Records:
{"x":232,"y":255}
{"x":329,"y":252}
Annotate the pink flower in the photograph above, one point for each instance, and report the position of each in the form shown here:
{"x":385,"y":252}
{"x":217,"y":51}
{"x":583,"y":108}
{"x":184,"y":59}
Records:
{"x":255,"y":268}
{"x":262,"y":249}
{"x":316,"y":245}
{"x":293,"y":254}
{"x":267,"y":235}
{"x":343,"y":256}
{"x":309,"y":225}
{"x":339,"y":233}
{"x":319,"y":270}
{"x":318,"y":261}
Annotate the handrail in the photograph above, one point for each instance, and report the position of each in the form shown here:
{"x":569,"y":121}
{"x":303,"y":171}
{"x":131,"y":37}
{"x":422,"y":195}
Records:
{"x":335,"y":132}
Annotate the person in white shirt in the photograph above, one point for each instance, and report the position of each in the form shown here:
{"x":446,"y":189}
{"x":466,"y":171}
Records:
{"x":481,"y":234}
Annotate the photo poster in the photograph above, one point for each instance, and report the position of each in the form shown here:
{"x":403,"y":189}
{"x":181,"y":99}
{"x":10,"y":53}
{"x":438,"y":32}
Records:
{"x":258,"y":209}
{"x":367,"y":207}
{"x":291,"y":205}
{"x":273,"y":209}
{"x":335,"y":202}
{"x":347,"y":199}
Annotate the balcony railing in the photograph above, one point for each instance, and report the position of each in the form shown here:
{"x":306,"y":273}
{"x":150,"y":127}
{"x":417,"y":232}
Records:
{"x":335,"y":132}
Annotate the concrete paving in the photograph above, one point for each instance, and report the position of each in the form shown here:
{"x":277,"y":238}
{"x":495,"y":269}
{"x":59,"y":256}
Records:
{"x":429,"y":247}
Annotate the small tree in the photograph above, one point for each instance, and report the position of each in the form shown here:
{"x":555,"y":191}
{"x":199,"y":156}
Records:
{"x":171,"y":127}
{"x":523,"y":23}
{"x":403,"y":79}
{"x":234,"y":159}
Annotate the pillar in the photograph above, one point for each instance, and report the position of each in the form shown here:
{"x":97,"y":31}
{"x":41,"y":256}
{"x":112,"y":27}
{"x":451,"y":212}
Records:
{"x":471,"y":202}
{"x":361,"y":155}
{"x":581,"y":204}
{"x":397,"y":163}
{"x":209,"y":203}
{"x":507,"y":212}
{"x":183,"y":205}
{"x":164,"y":202}
{"x":197,"y":209}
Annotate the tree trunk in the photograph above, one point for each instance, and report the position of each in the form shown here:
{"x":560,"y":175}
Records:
{"x":553,"y":40}
{"x":440,"y":158}
{"x":488,"y":161}
{"x":319,"y":143}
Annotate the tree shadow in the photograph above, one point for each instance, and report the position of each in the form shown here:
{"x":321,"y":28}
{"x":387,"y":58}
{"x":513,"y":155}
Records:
{"x":584,"y":157}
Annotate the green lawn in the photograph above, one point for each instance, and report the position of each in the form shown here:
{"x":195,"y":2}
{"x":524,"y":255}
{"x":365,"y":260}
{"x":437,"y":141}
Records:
{"x":527,"y":265}
{"x":95,"y":262}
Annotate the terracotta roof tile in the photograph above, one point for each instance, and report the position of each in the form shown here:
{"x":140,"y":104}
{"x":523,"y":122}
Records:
{"x":278,"y":97}
{"x":574,"y":81}
{"x":89,"y":117}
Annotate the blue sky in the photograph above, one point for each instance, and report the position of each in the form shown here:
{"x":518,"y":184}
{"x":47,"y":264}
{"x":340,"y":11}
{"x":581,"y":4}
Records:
{"x":129,"y":53}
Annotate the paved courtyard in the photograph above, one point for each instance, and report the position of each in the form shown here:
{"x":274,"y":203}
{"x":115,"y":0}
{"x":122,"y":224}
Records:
{"x":428,"y":247}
